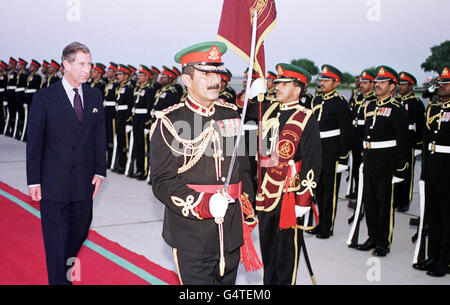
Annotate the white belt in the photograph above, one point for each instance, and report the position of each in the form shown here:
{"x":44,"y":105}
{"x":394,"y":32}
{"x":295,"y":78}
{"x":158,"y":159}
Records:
{"x":30,"y":90}
{"x":2,"y":89}
{"x":20,"y":89}
{"x":140,"y":111}
{"x":439,"y":148}
{"x":379,"y":144}
{"x":412,"y":127}
{"x":121,"y":107}
{"x":330,"y":133}
{"x":109,"y":103}
{"x":361,"y":122}
{"x":11,"y":88}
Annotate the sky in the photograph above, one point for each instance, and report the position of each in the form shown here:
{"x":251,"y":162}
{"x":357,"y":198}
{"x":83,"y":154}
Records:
{"x":349,"y":34}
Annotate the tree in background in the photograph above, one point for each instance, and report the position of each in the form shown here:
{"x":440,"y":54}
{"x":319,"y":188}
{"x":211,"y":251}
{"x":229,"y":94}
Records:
{"x":306,"y":64}
{"x":347,"y":79}
{"x":439,"y":55}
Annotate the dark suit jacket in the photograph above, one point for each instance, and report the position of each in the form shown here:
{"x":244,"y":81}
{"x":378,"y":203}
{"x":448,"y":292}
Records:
{"x":63,"y":155}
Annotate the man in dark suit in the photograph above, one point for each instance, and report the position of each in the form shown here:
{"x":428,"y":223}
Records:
{"x":66,"y":159}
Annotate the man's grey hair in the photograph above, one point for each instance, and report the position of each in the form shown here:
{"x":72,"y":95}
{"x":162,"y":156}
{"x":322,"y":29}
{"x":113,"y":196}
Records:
{"x":72,"y":49}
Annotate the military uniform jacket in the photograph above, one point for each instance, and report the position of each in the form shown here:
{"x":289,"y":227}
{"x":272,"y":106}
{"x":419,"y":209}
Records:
{"x":333,"y":114}
{"x":308,"y":150}
{"x":49,"y":80}
{"x":193,"y":145}
{"x":386,"y":120}
{"x":416,"y":115}
{"x":33,"y":85}
{"x":142,"y":103}
{"x":3,"y":84}
{"x":435,"y":164}
{"x":100,"y":85}
{"x":11,"y":86}
{"x":359,"y":104}
{"x":165,"y":97}
{"x":228,"y":94}
{"x":124,"y":101}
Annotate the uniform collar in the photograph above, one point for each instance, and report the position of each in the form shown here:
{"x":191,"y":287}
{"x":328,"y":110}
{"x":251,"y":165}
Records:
{"x":289,"y":106}
{"x":370,"y":94}
{"x":198,"y":108}
{"x":407,"y":96}
{"x":329,"y":95}
{"x":385,"y":101}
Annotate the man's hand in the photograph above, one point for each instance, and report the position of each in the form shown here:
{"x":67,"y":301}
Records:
{"x":35,"y":192}
{"x":97,"y":182}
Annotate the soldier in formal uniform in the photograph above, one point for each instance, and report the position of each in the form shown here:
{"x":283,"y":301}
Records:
{"x":3,"y":102}
{"x":175,"y":83}
{"x":227,"y":93}
{"x":240,"y":97}
{"x":52,"y":73}
{"x":97,"y":78}
{"x":44,"y":73}
{"x":334,"y":117}
{"x":271,"y":92}
{"x":109,"y":104}
{"x":33,"y":85}
{"x":132,"y":76}
{"x":385,"y":160}
{"x":11,"y":96}
{"x":355,"y":92}
{"x":124,"y":102}
{"x":142,"y":106}
{"x":167,"y":95}
{"x":416,"y":113}
{"x":202,"y":223}
{"x":291,"y":166}
{"x":365,"y":96}
{"x":21,"y":77}
{"x":436,"y":176}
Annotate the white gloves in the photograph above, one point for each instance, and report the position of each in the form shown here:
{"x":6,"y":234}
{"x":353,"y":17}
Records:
{"x":341,"y":168}
{"x":218,"y":204}
{"x":257,"y":87}
{"x":417,"y":152}
{"x":300,"y":211}
{"x":396,"y":180}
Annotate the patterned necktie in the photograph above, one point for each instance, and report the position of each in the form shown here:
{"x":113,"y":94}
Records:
{"x":77,"y":105}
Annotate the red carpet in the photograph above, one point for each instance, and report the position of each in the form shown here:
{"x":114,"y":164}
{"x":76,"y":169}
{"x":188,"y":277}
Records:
{"x":102,"y":262}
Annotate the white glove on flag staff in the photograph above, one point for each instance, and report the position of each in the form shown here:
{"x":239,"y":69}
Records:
{"x":257,"y":87}
{"x":396,"y":180}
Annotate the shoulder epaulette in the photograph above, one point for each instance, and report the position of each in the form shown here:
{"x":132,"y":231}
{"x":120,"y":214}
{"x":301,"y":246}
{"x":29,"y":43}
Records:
{"x":166,"y":111}
{"x":221,"y":102}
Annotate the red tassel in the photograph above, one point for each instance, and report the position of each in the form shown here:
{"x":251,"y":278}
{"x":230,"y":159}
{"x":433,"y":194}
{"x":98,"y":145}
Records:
{"x":287,"y":215}
{"x":249,"y":256}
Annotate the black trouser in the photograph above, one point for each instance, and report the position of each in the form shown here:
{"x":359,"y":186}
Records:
{"x":139,"y":142}
{"x":2,"y":114}
{"x":10,"y":97}
{"x":379,"y":209}
{"x":403,"y":190}
{"x":65,"y":227}
{"x":327,"y":199}
{"x":20,"y":99}
{"x":437,"y":202}
{"x":203,"y":268}
{"x":121,"y":155}
{"x":356,"y":162}
{"x":279,"y":249}
{"x":109,"y":127}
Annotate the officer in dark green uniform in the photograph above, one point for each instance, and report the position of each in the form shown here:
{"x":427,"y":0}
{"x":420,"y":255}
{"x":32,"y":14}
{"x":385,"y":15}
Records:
{"x":416,"y":113}
{"x":167,"y":95}
{"x":3,"y":102}
{"x":334,"y":116}
{"x":385,"y":160}
{"x":33,"y":85}
{"x":124,"y":101}
{"x":109,"y":103}
{"x":142,"y":106}
{"x":436,"y":176}
{"x":271,"y":92}
{"x":11,"y":96}
{"x":202,"y":226}
{"x":21,"y":77}
{"x":227,"y":93}
{"x":365,"y":96}
{"x":97,"y":78}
